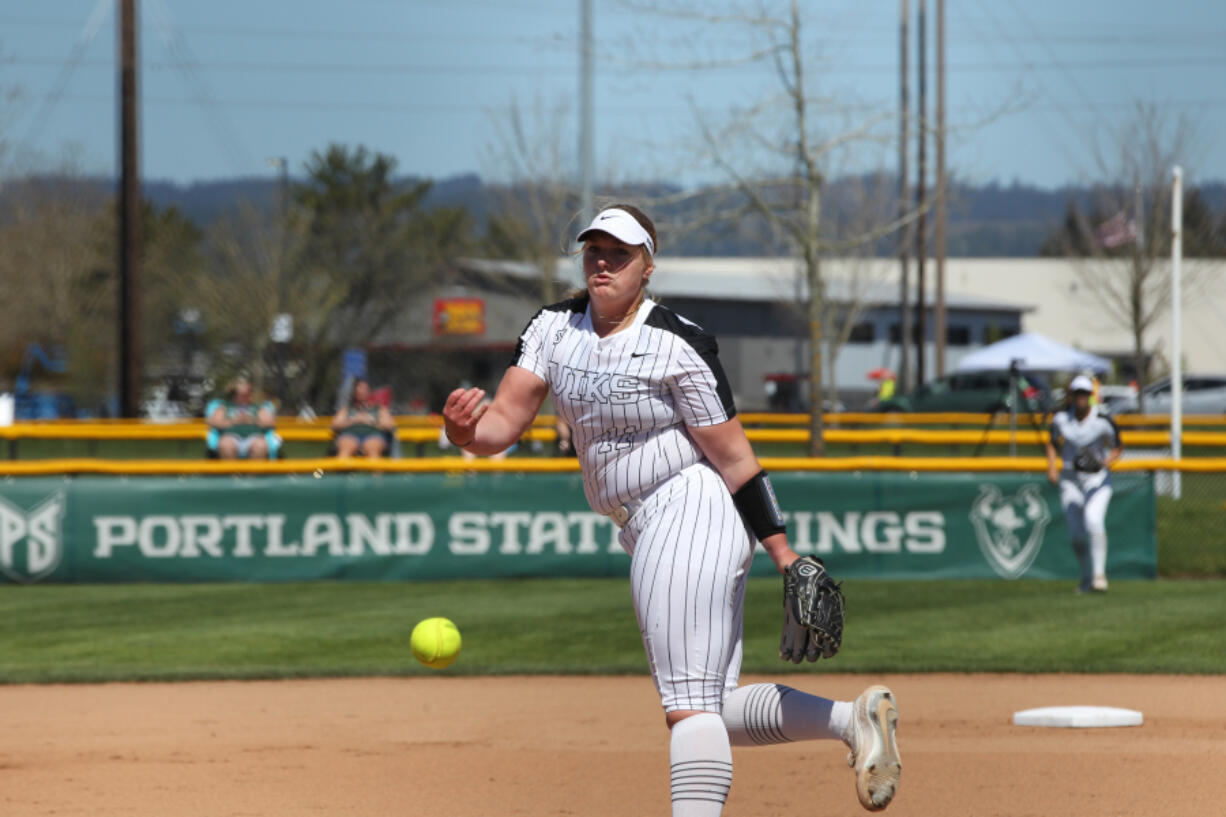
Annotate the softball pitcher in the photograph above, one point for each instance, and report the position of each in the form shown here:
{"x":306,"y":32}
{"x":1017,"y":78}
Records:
{"x":1083,"y":446}
{"x":663,"y":454}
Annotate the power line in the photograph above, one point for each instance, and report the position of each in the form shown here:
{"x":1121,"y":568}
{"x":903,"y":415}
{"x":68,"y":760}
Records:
{"x":477,"y":109}
{"x":1138,"y":35}
{"x":216,"y":117}
{"x":312,"y":67}
{"x":1051,"y":133}
{"x":68,"y":67}
{"x":1114,"y":63}
{"x":282,"y":33}
{"x":1063,"y":68}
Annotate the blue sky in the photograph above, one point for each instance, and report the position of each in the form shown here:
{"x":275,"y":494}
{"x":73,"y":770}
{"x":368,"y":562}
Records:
{"x":228,"y":83}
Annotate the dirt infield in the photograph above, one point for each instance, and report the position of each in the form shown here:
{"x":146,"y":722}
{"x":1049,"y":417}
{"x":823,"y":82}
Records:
{"x":585,"y":746}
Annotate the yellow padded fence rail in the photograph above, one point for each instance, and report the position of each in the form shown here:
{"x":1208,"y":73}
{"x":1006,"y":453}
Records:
{"x":320,"y":467}
{"x":921,"y":436}
{"x":865,"y":436}
{"x":117,"y":429}
{"x":198,"y":423}
{"x":138,"y":432}
{"x":847,"y":418}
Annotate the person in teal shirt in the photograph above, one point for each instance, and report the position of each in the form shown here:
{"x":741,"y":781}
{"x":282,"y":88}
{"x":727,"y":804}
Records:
{"x":240,"y":428}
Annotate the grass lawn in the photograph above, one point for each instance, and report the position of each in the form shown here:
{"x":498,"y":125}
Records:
{"x":148,"y":632}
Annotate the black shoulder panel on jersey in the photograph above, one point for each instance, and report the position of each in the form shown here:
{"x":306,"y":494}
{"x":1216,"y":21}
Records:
{"x":702,"y":342}
{"x":576,"y":304}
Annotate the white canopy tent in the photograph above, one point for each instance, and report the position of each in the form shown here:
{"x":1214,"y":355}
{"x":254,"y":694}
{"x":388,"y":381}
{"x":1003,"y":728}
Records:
{"x":1029,"y":352}
{"x":1032,"y":352}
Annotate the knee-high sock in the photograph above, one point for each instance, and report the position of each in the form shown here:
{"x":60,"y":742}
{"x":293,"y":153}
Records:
{"x":1098,"y":552}
{"x":701,"y":766}
{"x":1096,"y":527}
{"x":772,"y":713}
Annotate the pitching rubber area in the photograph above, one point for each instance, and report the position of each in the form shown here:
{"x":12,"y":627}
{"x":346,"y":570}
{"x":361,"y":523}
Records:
{"x":464,"y":747}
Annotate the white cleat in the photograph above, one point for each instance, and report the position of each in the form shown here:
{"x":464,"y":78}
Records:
{"x":874,"y":747}
{"x":1100,"y":584}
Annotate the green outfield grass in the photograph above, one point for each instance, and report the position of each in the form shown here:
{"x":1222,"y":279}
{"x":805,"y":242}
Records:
{"x":175,"y":632}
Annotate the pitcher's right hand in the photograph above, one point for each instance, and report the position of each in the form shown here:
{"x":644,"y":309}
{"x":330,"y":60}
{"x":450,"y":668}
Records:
{"x":461,"y":413}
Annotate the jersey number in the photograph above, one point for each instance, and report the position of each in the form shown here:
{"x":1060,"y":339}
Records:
{"x":616,"y":439}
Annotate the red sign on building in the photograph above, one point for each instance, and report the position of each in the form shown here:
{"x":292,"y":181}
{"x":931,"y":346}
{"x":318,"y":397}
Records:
{"x":458,"y":316}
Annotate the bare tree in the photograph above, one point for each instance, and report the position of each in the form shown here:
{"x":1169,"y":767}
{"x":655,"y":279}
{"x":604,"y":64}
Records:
{"x":778,"y":153}
{"x":1123,"y":241}
{"x":868,"y":199}
{"x":531,"y":212}
{"x":248,"y":254}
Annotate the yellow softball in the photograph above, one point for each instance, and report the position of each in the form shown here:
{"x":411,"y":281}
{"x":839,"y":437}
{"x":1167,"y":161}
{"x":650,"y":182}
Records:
{"x":435,"y":642}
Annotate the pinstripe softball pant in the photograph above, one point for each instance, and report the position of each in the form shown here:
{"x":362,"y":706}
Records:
{"x":690,"y":556}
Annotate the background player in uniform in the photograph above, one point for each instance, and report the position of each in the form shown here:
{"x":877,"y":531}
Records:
{"x":1084,"y":444}
{"x":662,"y":453}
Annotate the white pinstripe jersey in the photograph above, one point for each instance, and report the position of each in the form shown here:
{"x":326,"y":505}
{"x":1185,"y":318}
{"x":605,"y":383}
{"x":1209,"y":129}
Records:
{"x":1096,"y":433}
{"x":1070,"y":436}
{"x":627,"y":397}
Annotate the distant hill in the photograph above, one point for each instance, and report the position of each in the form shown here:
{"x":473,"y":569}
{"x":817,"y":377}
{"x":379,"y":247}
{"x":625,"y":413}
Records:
{"x":991,"y":220}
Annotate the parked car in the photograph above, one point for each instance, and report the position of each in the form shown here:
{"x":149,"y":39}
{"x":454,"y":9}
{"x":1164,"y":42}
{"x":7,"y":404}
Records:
{"x":1202,"y":394}
{"x":976,"y":392}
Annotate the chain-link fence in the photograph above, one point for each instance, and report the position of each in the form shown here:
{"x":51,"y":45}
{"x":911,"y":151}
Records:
{"x":1191,"y":523}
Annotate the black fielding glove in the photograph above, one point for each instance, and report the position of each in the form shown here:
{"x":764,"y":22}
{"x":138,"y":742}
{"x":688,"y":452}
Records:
{"x":1086,"y":461}
{"x":812,"y":612}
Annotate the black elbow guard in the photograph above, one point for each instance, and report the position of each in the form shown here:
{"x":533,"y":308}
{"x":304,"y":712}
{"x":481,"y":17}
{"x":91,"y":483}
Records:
{"x":756,"y":502}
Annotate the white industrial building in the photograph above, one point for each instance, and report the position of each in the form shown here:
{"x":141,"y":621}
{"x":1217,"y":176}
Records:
{"x":755,"y":306}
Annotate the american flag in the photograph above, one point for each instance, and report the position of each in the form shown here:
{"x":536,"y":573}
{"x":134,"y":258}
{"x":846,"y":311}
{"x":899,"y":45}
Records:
{"x":1116,"y":231}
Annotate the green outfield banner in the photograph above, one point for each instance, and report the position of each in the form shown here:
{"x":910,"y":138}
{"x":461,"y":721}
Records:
{"x":443,"y":526}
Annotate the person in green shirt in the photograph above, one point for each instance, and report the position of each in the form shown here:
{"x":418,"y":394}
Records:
{"x":363,"y":427}
{"x":242,"y":428}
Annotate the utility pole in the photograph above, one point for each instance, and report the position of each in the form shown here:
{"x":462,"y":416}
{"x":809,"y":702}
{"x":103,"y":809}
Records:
{"x":586,"y":120}
{"x":129,"y":217}
{"x":921,"y":134}
{"x":282,"y":329}
{"x":904,"y":245}
{"x":941,"y":192}
{"x":1176,"y":326}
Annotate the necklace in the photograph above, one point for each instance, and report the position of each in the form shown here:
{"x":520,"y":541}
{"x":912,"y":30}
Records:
{"x":615,"y":323}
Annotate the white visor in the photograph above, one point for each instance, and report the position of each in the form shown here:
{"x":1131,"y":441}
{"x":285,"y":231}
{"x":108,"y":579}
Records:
{"x":622,"y":226}
{"x":1081,"y":383}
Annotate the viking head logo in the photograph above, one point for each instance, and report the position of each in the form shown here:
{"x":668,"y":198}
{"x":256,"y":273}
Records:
{"x":39,"y":531}
{"x":1010,"y":530}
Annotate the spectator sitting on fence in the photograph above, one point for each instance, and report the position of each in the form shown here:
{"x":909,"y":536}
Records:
{"x":364,"y":426}
{"x":240,"y":428}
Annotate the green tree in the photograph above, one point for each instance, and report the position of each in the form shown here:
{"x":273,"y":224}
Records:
{"x":372,"y":247}
{"x":58,"y":270}
{"x":1201,"y":237}
{"x":1078,"y":235}
{"x":57,"y":286}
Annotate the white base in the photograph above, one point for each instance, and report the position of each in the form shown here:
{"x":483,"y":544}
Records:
{"x":1077,"y":716}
